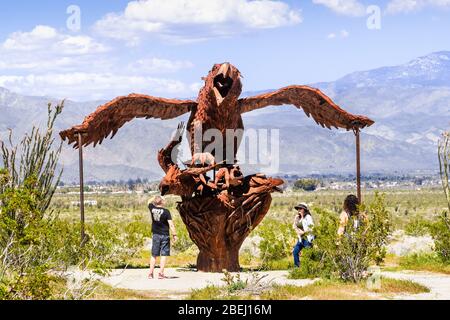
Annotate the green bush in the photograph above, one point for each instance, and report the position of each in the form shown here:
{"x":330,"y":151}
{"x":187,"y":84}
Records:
{"x":441,"y":229}
{"x":418,"y":227}
{"x":306,"y":184}
{"x":415,"y":260}
{"x":36,"y":246}
{"x":440,"y":232}
{"x":348,"y":257}
{"x":234,"y":282}
{"x":312,"y":265}
{"x":183,"y":242}
{"x":137,"y":230}
{"x":277,"y":241}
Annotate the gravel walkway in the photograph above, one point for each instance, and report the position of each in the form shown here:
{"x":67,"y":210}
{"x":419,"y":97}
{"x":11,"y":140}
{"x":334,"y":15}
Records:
{"x":182,"y":281}
{"x":439,"y":284}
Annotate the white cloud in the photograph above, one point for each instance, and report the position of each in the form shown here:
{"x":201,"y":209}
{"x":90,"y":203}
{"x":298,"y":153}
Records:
{"x":47,"y":38}
{"x":117,"y":26}
{"x":195,"y":19}
{"x":46,"y":49}
{"x":37,"y":63}
{"x":44,"y":61}
{"x":158,"y":65}
{"x":406,"y":6}
{"x":30,"y":40}
{"x":342,"y":34}
{"x":88,"y":86}
{"x":344,"y":7}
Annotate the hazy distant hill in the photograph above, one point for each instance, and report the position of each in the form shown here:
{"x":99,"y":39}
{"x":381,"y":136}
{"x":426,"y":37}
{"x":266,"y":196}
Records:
{"x":410,"y":104}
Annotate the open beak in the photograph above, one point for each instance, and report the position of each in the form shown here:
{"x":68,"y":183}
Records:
{"x":223,"y":82}
{"x":164,"y":189}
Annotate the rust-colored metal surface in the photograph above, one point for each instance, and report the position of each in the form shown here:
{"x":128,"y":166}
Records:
{"x":220,"y":212}
{"x":218,"y":219}
{"x":314,"y":103}
{"x":219,"y":225}
{"x":109,"y":118}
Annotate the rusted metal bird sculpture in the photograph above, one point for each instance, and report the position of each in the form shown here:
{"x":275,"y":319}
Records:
{"x":219,"y":215}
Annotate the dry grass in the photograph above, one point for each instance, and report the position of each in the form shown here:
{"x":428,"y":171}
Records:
{"x":395,"y":286}
{"x":106,"y":292}
{"x":321,"y":290}
{"x":417,"y":262}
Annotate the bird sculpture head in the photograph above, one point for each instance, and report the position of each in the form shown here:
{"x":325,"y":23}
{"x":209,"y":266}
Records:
{"x":223,"y":84}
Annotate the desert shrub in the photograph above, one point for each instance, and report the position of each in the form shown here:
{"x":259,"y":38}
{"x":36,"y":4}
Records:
{"x":109,"y":244}
{"x":183,"y":242}
{"x":36,"y":246}
{"x":413,"y":261}
{"x":348,"y":257}
{"x":441,"y":229}
{"x":306,"y":184}
{"x":25,"y":256}
{"x":418,"y":227}
{"x":106,"y":246}
{"x":444,"y":164}
{"x":136,"y":231}
{"x":313,"y":265}
{"x":28,"y":181}
{"x":277,"y":241}
{"x":440,"y":232}
{"x":234,"y":282}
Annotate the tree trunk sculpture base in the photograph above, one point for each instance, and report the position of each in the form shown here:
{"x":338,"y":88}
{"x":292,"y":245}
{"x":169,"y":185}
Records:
{"x":218,"y":224}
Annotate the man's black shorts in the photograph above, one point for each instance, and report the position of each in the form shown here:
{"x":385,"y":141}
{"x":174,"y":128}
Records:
{"x":160,"y":245}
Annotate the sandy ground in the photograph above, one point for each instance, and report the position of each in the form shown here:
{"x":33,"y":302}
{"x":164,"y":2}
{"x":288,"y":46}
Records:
{"x":182,"y":281}
{"x":439,"y":284}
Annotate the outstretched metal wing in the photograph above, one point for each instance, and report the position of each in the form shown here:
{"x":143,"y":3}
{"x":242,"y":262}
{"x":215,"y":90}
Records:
{"x":313,"y":102}
{"x":109,"y":118}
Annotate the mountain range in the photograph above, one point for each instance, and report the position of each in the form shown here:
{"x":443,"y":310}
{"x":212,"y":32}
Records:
{"x":410,"y":104}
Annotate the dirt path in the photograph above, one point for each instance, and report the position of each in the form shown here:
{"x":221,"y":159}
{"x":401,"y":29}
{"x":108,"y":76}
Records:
{"x":182,"y":281}
{"x":439,"y":284}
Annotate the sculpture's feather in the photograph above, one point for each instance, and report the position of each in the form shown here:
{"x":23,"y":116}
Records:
{"x":109,"y":118}
{"x":313,"y":102}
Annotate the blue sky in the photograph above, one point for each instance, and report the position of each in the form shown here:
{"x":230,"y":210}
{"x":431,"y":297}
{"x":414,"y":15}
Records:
{"x":164,"y":47}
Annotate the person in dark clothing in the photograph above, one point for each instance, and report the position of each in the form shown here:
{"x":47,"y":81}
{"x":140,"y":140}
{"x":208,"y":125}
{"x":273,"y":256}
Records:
{"x":351,"y":212}
{"x":162,"y":224}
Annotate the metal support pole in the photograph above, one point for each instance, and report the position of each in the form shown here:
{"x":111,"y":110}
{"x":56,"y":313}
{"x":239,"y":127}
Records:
{"x":80,"y":149}
{"x":358,"y":165}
